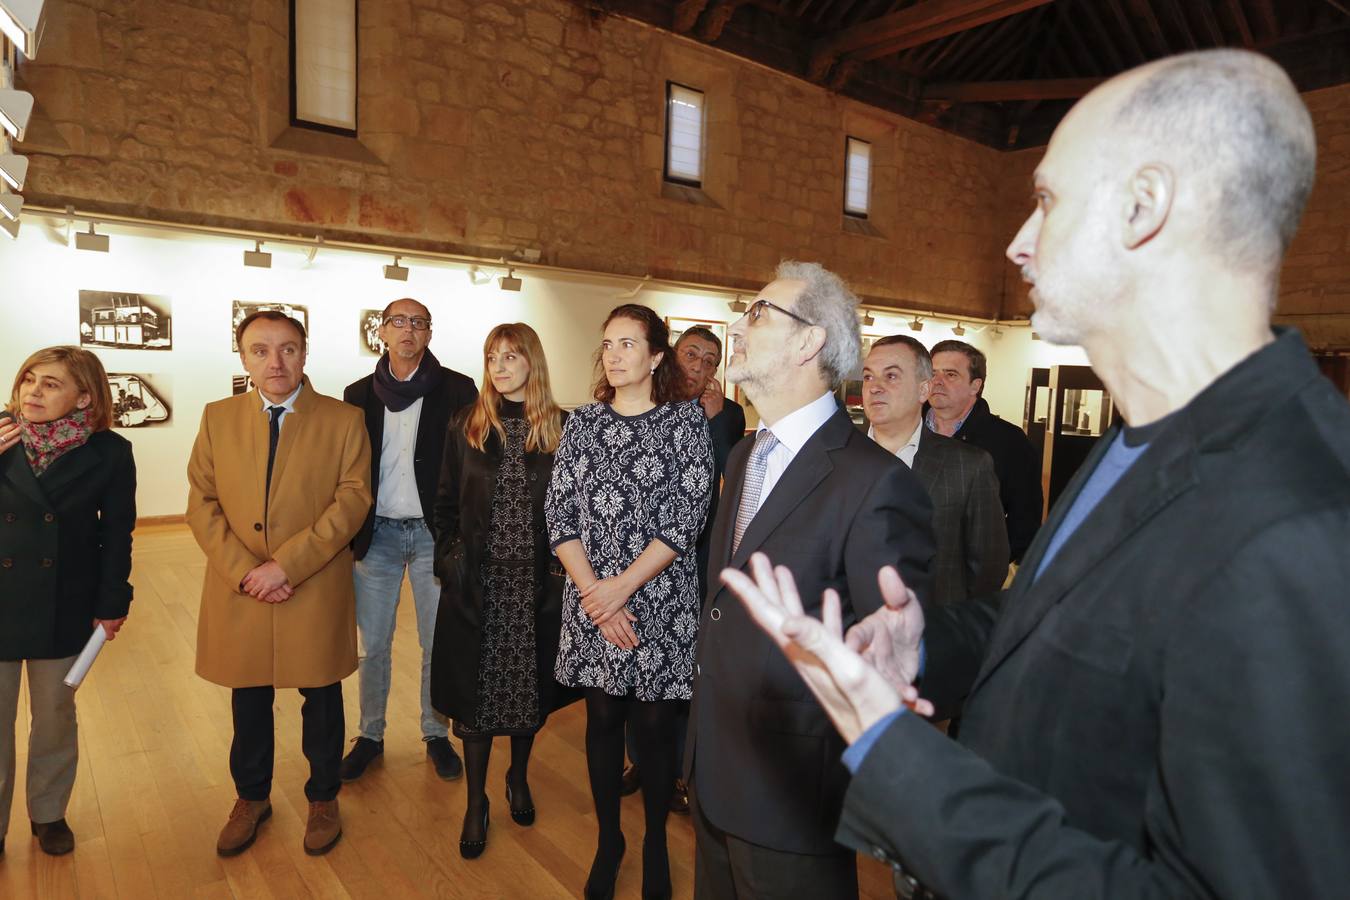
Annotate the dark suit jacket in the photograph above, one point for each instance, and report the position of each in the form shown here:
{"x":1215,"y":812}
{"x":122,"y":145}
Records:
{"x":65,"y":546}
{"x":726,"y":429}
{"x":1018,"y":467}
{"x":968,"y":526}
{"x":1161,"y":712}
{"x":455,"y":392}
{"x":764,"y":756}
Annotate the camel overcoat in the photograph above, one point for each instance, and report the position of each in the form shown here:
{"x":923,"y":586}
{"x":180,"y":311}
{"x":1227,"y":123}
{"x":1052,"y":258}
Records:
{"x":320,"y":497}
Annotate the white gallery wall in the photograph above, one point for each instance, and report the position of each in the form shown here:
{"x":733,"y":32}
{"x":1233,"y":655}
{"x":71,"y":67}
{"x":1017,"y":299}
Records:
{"x":200,"y":277}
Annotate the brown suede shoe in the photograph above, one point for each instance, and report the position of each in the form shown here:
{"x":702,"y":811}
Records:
{"x":242,"y":828}
{"x":324,"y":828}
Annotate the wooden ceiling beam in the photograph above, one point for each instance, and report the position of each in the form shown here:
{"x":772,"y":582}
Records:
{"x":972,"y":44}
{"x":1104,"y":39}
{"x":1143,"y":11}
{"x":919,"y":24}
{"x":1124,"y":27}
{"x":1083,"y":56}
{"x":1211,"y":25}
{"x":1004,"y":91}
{"x":686,"y":15}
{"x":992,"y":63}
{"x":1266,"y":10}
{"x":1184,"y":27}
{"x":1240,"y":20}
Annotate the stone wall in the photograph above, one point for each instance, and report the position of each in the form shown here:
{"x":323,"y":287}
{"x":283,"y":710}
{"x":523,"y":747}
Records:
{"x":489,"y":126}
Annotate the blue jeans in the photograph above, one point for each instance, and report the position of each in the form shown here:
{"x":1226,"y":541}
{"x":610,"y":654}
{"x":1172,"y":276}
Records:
{"x":397,"y":545}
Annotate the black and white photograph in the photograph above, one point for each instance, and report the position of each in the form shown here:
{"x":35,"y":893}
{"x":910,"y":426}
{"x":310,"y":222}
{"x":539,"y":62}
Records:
{"x":125,"y":321}
{"x":140,"y":400}
{"x":243,"y":308}
{"x":371,"y":345}
{"x":240,"y":384}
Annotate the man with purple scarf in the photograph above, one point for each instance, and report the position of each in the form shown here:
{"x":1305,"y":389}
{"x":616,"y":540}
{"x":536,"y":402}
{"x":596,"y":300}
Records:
{"x":408,"y":402}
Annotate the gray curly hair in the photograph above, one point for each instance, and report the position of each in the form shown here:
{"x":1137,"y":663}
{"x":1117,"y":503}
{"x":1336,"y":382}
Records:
{"x":827,"y":301}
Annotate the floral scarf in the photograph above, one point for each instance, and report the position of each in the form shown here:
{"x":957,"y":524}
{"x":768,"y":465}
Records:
{"x":46,"y":442}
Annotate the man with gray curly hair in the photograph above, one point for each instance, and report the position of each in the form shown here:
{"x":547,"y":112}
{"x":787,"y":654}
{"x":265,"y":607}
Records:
{"x":762,"y":763}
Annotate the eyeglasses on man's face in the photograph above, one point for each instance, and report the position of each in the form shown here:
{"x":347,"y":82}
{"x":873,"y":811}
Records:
{"x":756,"y":312}
{"x":418,"y":323}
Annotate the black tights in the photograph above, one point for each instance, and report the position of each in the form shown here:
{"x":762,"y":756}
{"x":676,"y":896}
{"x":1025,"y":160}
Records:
{"x":477,"y":751}
{"x":653,"y":726}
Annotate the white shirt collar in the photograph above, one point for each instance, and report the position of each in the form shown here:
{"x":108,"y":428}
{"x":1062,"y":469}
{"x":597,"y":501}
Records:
{"x":796,"y":428}
{"x":288,"y":404}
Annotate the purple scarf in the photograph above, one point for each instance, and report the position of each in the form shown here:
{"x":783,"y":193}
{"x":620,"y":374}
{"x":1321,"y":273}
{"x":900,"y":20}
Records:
{"x":399,"y":395}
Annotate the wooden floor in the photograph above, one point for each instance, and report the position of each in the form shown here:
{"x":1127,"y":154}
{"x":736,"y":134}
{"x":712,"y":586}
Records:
{"x":154,"y":787}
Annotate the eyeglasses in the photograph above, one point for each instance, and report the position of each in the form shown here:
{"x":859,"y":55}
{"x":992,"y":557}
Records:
{"x":756,"y":312}
{"x":417,"y":322}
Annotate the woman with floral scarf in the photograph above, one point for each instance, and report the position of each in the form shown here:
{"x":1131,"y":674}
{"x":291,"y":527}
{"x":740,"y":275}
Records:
{"x":67,"y":509}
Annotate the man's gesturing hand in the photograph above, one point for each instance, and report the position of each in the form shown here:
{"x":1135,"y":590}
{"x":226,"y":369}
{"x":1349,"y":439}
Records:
{"x":889,"y":638}
{"x":852,"y":692}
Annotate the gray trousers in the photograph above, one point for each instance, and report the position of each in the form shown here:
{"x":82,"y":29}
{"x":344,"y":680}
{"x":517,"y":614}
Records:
{"x":53,"y":742}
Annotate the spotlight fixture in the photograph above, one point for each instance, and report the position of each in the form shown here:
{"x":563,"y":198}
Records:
{"x":13,"y":170}
{"x":10,"y":206}
{"x":10,"y":228}
{"x":867,"y":319}
{"x":258,"y":258}
{"x":396,"y":272}
{"x":15,"y":109}
{"x":738,"y":306}
{"x":22,"y":21}
{"x":478,"y":276}
{"x":91,"y":240}
{"x":916,"y":325}
{"x":509,"y":281}
{"x":958,"y":330}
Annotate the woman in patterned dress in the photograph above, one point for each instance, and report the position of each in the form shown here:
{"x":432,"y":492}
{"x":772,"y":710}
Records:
{"x":630,"y":490}
{"x":497,"y":625}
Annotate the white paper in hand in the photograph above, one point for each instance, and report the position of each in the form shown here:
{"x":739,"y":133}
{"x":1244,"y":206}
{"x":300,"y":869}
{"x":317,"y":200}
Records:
{"x":86,"y":657}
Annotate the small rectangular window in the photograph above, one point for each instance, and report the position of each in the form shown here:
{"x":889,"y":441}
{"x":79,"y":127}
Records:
{"x":323,"y":65}
{"x":857,"y":177}
{"x":684,"y":135}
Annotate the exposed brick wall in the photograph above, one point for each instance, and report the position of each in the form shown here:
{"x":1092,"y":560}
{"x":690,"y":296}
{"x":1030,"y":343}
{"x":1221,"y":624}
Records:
{"x":487,"y":126}
{"x":1316,"y":275}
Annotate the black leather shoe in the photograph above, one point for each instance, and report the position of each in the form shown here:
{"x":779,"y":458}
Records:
{"x":55,"y":838}
{"x":364,"y":752}
{"x":679,"y":801}
{"x":444,"y":758}
{"x":631,"y":781}
{"x":524,"y":814}
{"x":600,"y":885}
{"x":474,"y":849}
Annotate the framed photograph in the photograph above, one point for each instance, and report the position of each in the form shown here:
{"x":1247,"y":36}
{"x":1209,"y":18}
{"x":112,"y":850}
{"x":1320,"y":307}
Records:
{"x":240,"y":384}
{"x":678,"y":326}
{"x":242,"y":309}
{"x":140,"y":400}
{"x":123,"y":321}
{"x":369,"y":326}
{"x":850,"y":394}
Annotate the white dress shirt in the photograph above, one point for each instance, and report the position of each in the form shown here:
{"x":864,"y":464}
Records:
{"x":287,"y":405}
{"x":397,"y":497}
{"x":906,"y":453}
{"x":792,"y":432}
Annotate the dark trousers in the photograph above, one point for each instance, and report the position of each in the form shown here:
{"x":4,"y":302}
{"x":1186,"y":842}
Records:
{"x":252,"y":751}
{"x":728,"y":868}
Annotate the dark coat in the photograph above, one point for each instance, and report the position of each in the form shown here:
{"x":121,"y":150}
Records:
{"x":1018,"y":467}
{"x":65,"y":546}
{"x":968,"y":526}
{"x":454,"y":392}
{"x":763,"y":755}
{"x":1161,"y":712}
{"x":463,"y":513}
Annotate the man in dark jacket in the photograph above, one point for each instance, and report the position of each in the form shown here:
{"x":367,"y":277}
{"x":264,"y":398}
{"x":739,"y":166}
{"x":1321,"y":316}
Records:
{"x":957,"y":409}
{"x":1149,"y":711}
{"x":408,"y":402}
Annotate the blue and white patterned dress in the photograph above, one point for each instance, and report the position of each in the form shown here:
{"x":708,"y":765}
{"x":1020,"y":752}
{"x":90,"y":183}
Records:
{"x":620,"y":482}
